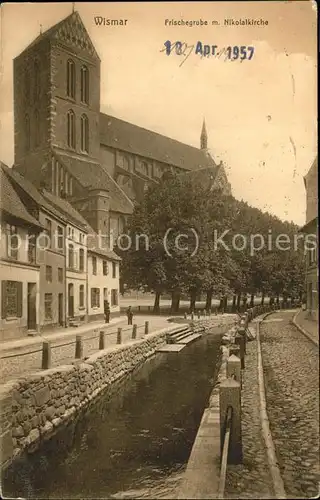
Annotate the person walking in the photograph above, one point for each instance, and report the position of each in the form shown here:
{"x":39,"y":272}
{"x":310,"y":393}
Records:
{"x":129,"y":315}
{"x":106,"y":306}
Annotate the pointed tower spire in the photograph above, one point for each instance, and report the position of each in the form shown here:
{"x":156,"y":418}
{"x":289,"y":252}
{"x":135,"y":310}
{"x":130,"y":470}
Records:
{"x":204,"y":136}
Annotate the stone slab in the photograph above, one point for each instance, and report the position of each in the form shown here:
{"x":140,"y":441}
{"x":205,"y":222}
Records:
{"x":171,"y":348}
{"x":189,"y":338}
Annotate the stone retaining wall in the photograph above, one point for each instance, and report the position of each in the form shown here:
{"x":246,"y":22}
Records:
{"x":33,"y":408}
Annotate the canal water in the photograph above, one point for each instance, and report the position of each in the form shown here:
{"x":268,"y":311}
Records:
{"x":134,"y":443}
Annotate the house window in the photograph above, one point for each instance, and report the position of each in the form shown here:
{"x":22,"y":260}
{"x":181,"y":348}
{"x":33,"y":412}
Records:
{"x":70,"y":186}
{"x":114,"y":270}
{"x":37,"y":128}
{"x":95,"y":297}
{"x":71,"y":256}
{"x":49,"y":274}
{"x":60,"y":274}
{"x":85,"y":85}
{"x":36,"y":81}
{"x":81,"y":296}
{"x":71,"y":79}
{"x":31,"y":248}
{"x":48,"y":232}
{"x":81,"y":259}
{"x":94,"y":265}
{"x":27,"y":132}
{"x":105,"y":267}
{"x":12,"y":242}
{"x":71,"y":124}
{"x":60,"y":238}
{"x":312,"y":256}
{"x":114,"y":297}
{"x":48,"y":306}
{"x":84,"y":134}
{"x":11,"y":299}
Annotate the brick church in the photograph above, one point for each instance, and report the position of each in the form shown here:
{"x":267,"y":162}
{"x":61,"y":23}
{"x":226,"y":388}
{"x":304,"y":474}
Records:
{"x":63,"y":142}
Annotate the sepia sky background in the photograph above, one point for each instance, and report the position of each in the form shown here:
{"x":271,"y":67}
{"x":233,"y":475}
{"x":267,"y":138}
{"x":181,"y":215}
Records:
{"x":261,"y":115}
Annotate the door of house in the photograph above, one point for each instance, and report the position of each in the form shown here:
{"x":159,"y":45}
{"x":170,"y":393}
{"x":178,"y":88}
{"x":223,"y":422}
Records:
{"x":32,"y":309}
{"x":70,"y":301}
{"x":60,"y":309}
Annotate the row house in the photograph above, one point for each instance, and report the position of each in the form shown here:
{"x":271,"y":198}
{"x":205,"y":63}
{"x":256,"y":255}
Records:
{"x":19,"y":271}
{"x":62,"y":260}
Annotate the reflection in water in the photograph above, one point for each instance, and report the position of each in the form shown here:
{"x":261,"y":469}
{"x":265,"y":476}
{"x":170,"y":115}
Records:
{"x":134,"y":443}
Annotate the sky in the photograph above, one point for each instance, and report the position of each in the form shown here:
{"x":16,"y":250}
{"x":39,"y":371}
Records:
{"x":261,"y":115}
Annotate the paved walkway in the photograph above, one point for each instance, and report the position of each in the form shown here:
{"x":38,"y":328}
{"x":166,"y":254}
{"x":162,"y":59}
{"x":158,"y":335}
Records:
{"x":23,"y":356}
{"x":291,"y":372}
{"x":309,"y":325}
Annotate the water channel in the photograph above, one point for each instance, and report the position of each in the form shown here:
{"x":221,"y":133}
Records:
{"x":134,"y":443}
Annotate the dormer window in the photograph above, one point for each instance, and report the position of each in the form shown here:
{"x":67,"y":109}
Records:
{"x":71,"y":79}
{"x":85,"y":85}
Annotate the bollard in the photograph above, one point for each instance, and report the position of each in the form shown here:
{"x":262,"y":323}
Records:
{"x":192,"y":316}
{"x":242,"y":332}
{"x":230,"y":395}
{"x":234,"y":349}
{"x":185,"y":315}
{"x":234,"y":368}
{"x":79,"y":347}
{"x":134,"y":331}
{"x":46,"y":355}
{"x":198,"y":314}
{"x":101,"y":340}
{"x":240,"y":343}
{"x":146,"y":328}
{"x":119,"y":336}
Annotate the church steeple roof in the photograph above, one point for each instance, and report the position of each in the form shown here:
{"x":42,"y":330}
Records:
{"x":204,"y":136}
{"x":69,"y":31}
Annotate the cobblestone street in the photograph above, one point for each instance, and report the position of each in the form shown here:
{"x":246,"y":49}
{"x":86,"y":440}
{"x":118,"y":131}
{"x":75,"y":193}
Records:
{"x":291,"y":371}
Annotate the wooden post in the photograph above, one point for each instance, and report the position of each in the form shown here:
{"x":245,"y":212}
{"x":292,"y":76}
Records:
{"x":79,"y":347}
{"x":234,"y":368}
{"x":198,"y":314}
{"x":242,"y":332}
{"x":46,"y":355}
{"x":240,"y":343}
{"x":146,"y":328}
{"x":185,"y":315}
{"x":209,"y":312}
{"x":134,"y":331}
{"x":192,"y":316}
{"x":101,"y":340}
{"x":119,"y":336}
{"x":230,"y":395}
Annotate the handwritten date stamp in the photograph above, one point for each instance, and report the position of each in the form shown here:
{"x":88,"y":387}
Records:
{"x":230,"y":53}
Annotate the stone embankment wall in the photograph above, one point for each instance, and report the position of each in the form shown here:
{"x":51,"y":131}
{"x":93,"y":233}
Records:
{"x":32,"y":408}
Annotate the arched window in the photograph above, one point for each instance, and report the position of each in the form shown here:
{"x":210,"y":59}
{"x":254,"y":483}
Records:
{"x":27,"y":133}
{"x":71,"y":124}
{"x":36,"y":128}
{"x":36,"y":80}
{"x":27,"y":84}
{"x":84,"y":134}
{"x":71,"y":79}
{"x":85,"y":84}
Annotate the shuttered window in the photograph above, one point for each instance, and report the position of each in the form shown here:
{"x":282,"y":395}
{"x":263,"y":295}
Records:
{"x":11,"y":306}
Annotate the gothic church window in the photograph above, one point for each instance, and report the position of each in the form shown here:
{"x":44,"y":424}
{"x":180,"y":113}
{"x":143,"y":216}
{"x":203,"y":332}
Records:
{"x":71,"y":124}
{"x":85,"y":85}
{"x":27,"y":133}
{"x":36,"y":81}
{"x":37,"y":128}
{"x":84,"y":134}
{"x":71,"y":79}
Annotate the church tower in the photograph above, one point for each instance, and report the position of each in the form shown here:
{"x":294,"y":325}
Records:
{"x":204,"y":137}
{"x":56,"y":102}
